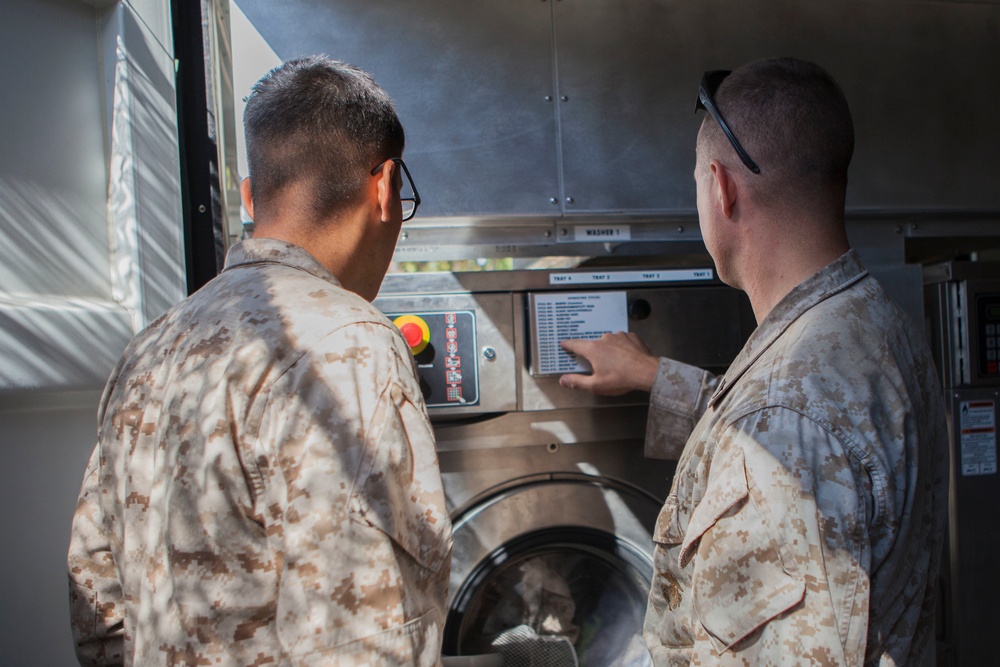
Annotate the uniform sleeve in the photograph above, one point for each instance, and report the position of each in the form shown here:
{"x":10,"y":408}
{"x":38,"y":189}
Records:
{"x":96,"y":607}
{"x":679,"y":397}
{"x":780,"y":548}
{"x":356,"y":512}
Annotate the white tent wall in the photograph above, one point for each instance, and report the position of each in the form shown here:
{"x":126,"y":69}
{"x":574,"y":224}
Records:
{"x":90,"y":250}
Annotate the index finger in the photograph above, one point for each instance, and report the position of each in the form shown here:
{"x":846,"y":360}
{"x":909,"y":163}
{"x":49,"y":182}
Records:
{"x":575,"y":345}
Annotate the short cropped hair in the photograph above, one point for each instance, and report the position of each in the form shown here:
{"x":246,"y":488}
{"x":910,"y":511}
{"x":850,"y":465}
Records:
{"x":322,"y":121}
{"x":794,"y":121}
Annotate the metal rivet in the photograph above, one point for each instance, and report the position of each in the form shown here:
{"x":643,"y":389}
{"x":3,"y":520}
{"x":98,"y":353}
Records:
{"x":564,"y":98}
{"x":569,"y":200}
{"x":552,"y":447}
{"x":680,"y":230}
{"x":563,"y":232}
{"x":548,"y":233}
{"x":548,"y":98}
{"x":553,"y":200}
{"x":405,"y":236}
{"x":201,"y":208}
{"x":489,"y":354}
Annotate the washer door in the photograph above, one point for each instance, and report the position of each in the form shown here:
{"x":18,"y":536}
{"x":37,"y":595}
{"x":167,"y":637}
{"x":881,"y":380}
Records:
{"x":553,"y":570}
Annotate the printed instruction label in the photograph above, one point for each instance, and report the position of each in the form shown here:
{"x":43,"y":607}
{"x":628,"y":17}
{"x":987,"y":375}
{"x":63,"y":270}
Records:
{"x":978,"y":429}
{"x":602,"y":233}
{"x":649,"y":276}
{"x":587,"y":315}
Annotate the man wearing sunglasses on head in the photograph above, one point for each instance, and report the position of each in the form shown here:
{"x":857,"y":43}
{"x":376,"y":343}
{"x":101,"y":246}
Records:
{"x":265,"y":487}
{"x":804,"y":524}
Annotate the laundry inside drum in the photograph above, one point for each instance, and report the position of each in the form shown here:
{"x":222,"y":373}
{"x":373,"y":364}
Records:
{"x":573,"y":603}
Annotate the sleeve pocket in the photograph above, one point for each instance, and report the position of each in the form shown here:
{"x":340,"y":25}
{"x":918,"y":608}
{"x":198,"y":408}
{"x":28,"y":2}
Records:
{"x":742,"y":577}
{"x":400,"y":493}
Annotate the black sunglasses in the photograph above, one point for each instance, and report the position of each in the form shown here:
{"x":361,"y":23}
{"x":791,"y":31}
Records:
{"x":408,"y":195}
{"x":706,"y":100}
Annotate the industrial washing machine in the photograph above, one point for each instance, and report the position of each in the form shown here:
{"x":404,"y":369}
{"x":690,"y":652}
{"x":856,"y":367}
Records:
{"x":552,"y":501}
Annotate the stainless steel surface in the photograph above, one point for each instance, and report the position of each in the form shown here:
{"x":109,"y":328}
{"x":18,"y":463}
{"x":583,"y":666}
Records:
{"x":970,"y":578}
{"x":592,"y":111}
{"x":552,"y":501}
{"x":701,"y":324}
{"x":469,"y":80}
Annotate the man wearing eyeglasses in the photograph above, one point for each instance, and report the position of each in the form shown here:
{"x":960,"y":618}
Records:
{"x":805,"y":521}
{"x":265,"y":488}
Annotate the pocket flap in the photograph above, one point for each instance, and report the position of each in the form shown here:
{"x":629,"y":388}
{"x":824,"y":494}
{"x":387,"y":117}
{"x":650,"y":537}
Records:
{"x":401,"y":492}
{"x":740,"y":580}
{"x":668,"y":530}
{"x":727,"y":489}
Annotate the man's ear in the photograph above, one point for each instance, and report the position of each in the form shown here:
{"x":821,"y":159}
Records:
{"x":387,"y":190}
{"x":724,"y":187}
{"x":246,"y":197}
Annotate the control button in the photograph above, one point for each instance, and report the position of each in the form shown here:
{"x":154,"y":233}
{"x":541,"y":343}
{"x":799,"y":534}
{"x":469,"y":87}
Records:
{"x":991,"y":355}
{"x":991,"y":342}
{"x":415,"y":331}
{"x":991,"y":329}
{"x":412,"y":333}
{"x":991,"y":367}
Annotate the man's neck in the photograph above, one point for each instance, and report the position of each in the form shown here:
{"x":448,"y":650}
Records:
{"x":776,"y":266}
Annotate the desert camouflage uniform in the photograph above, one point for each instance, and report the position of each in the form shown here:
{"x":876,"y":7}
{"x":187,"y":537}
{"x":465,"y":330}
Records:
{"x":265,"y":489}
{"x":805,"y":521}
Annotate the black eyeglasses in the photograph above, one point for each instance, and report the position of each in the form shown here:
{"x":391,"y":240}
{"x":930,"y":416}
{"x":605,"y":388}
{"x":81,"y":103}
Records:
{"x":407,"y":192}
{"x":706,"y":100}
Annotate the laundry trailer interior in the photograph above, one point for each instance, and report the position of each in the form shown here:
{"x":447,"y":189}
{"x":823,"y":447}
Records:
{"x":552,"y":142}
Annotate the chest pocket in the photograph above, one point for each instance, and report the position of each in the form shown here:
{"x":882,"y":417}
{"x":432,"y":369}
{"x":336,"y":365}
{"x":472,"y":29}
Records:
{"x":743,"y":576}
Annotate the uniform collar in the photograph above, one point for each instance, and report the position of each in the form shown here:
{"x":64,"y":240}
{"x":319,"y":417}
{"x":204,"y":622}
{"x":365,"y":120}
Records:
{"x":273,"y":251}
{"x":828,"y":281}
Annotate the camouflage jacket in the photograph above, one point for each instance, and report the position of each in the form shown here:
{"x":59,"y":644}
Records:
{"x":805,"y":521}
{"x":265,"y":488}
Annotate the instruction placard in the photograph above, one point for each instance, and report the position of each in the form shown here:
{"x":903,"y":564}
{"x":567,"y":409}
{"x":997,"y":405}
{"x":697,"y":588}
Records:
{"x":563,"y":315}
{"x":978,"y":429}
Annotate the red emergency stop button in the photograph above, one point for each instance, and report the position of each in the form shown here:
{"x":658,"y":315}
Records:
{"x":415,"y":331}
{"x":412,"y":333}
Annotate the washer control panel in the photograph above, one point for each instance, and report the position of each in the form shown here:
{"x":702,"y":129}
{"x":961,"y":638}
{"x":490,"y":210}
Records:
{"x":988,"y":334}
{"x":444,"y":346}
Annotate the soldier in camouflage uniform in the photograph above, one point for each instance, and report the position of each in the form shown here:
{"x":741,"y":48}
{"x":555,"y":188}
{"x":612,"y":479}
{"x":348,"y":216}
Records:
{"x":805,"y":521}
{"x":265,"y":488}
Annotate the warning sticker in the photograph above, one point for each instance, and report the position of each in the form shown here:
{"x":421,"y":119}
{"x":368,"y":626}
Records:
{"x":977,"y":423}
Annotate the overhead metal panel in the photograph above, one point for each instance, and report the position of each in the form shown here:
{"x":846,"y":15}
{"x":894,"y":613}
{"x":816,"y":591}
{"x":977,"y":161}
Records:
{"x":470,"y":80}
{"x":590,"y":103}
{"x":920,"y":78}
